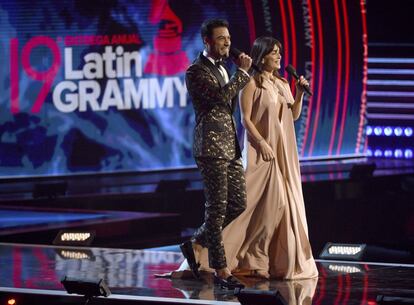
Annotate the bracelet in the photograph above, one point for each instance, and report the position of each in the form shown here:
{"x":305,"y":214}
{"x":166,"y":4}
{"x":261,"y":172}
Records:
{"x":258,"y":142}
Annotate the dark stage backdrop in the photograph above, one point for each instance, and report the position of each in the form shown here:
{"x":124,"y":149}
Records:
{"x":98,"y":86}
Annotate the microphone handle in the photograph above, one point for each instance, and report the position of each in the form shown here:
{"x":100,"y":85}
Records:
{"x":307,"y":89}
{"x":256,"y":68}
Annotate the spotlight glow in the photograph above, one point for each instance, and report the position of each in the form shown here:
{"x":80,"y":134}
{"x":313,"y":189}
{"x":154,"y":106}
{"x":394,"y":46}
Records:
{"x":398,"y":153}
{"x":388,"y":131}
{"x":369,"y":152}
{"x":378,"y":131}
{"x":398,"y":131}
{"x":408,"y":153}
{"x":388,"y":153}
{"x":378,"y":153}
{"x":369,"y":130}
{"x":11,"y":301}
{"x":408,"y":131}
{"x":344,"y":250}
{"x":344,"y":268}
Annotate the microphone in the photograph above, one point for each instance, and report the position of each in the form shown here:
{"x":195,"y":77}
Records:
{"x":292,"y":72}
{"x":235,"y":53}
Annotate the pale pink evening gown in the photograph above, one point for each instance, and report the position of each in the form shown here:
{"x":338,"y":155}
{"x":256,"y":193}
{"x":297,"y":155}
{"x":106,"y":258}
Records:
{"x":271,"y":235}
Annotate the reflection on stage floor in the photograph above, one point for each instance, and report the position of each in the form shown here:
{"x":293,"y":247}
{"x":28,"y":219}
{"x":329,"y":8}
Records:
{"x":132,"y":273}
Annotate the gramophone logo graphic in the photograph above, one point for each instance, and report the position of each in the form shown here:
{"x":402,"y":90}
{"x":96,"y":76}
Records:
{"x":167,"y":58}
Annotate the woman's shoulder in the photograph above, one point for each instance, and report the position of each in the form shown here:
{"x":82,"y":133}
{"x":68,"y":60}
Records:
{"x":251,"y":85}
{"x":251,"y":90}
{"x":282,"y":81}
{"x":252,"y":82}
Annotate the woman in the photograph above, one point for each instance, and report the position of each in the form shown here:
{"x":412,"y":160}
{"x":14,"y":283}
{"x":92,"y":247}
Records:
{"x":270,"y":238}
{"x":276,"y":242}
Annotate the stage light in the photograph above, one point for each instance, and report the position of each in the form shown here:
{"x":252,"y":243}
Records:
{"x":408,"y":153}
{"x":398,"y":153}
{"x":11,"y":302}
{"x":74,"y":238}
{"x":369,"y":152}
{"x":388,"y":153}
{"x":344,"y":268}
{"x":343,"y":251}
{"x":398,"y":131}
{"x":388,"y":131}
{"x":87,"y":288}
{"x":378,"y":131}
{"x":256,"y":297}
{"x":81,"y":254}
{"x":378,"y":153}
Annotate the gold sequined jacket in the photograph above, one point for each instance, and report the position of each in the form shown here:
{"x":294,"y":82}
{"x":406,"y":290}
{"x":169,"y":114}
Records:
{"x":214,"y":102}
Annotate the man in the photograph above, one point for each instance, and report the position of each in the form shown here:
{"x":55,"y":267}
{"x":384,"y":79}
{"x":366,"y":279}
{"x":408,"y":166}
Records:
{"x":216,"y":149}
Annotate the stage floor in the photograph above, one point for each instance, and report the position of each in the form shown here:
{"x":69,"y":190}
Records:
{"x":130,"y":274}
{"x":119,"y":229}
{"x":109,"y":185}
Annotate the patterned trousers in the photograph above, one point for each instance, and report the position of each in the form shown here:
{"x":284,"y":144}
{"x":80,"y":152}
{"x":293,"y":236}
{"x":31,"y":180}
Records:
{"x":225,"y":193}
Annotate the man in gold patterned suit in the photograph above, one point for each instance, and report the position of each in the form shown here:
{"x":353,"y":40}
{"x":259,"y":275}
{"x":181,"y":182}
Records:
{"x":216,"y":148}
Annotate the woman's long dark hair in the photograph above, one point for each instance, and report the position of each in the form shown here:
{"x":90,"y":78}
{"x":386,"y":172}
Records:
{"x":261,"y":47}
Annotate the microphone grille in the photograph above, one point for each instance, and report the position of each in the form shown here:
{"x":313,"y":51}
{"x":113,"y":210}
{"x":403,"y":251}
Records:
{"x":235,"y":52}
{"x":289,"y":68}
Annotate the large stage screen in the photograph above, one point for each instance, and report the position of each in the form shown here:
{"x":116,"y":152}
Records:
{"x":98,"y":86}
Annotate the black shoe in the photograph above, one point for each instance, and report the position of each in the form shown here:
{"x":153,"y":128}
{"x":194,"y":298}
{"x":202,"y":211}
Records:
{"x":188,"y":252}
{"x":230,"y":283}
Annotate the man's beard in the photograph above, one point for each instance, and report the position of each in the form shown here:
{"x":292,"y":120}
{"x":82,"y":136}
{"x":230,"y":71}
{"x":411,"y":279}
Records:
{"x":225,"y":55}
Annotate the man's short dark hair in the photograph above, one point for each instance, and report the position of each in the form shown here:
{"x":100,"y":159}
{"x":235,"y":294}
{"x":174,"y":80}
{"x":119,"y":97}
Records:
{"x":210,"y":24}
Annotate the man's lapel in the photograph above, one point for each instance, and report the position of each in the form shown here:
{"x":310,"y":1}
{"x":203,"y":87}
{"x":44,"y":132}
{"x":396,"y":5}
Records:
{"x":214,"y":70}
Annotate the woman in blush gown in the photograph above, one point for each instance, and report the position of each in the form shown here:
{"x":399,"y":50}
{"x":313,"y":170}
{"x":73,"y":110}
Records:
{"x":270,"y":238}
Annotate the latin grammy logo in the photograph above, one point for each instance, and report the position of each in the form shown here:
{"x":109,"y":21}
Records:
{"x":167,"y":58}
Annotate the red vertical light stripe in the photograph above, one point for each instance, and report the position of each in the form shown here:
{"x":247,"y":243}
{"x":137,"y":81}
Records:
{"x":365,"y":144}
{"x":17,"y":267}
{"x":347,"y":289}
{"x":14,"y":75}
{"x":293,"y":36}
{"x":293,"y":32}
{"x":285,"y":57}
{"x":322,"y":286}
{"x":346,"y":85}
{"x":339,"y":289}
{"x":338,"y":76}
{"x":313,"y":55}
{"x":46,"y":271}
{"x":364,"y":79}
{"x":250,"y":20}
{"x":320,"y":75}
{"x":365,"y":290}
